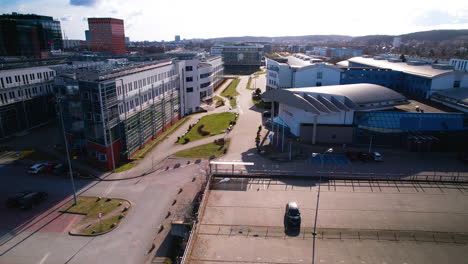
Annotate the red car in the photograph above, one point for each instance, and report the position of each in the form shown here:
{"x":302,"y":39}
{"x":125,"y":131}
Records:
{"x":49,"y":167}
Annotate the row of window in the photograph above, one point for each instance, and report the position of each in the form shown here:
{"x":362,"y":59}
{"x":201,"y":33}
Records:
{"x":28,"y":93}
{"x":145,"y":81}
{"x":25,"y":78}
{"x":144,"y":98}
{"x":204,"y":75}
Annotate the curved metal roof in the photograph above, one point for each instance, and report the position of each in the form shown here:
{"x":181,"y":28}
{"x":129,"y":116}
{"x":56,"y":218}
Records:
{"x":335,"y":98}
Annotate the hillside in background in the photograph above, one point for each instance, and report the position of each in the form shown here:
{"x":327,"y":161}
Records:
{"x":432,"y":35}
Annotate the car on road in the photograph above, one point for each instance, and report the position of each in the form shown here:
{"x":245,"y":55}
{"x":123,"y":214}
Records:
{"x":48,"y":167}
{"x":26,"y":199}
{"x":58,"y":169}
{"x":376,"y":156}
{"x":292,"y":217}
{"x":365,"y":156}
{"x":36,"y":168}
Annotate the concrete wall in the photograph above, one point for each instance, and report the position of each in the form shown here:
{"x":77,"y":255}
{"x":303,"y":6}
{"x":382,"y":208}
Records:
{"x":307,"y":77}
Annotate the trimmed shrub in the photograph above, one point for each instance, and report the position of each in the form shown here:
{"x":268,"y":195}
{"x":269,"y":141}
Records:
{"x":202,"y":132}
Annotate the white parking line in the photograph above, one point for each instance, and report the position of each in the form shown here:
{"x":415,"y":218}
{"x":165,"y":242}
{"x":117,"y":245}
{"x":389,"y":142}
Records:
{"x":44,"y":258}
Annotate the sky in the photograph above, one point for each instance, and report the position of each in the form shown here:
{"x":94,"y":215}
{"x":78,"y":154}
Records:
{"x":163,"y":19}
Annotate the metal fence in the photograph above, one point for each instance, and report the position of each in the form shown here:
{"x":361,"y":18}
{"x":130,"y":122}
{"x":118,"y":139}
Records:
{"x":218,"y":171}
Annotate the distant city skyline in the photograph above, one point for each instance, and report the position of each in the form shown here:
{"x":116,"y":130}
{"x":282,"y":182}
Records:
{"x":154,"y":20}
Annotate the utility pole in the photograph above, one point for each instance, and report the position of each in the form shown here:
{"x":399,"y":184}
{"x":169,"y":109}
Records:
{"x":68,"y":153}
{"x":314,"y":234}
{"x":370,"y":143}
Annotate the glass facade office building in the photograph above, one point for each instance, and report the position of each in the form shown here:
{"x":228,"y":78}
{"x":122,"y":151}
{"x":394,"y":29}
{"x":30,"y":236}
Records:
{"x":415,"y":131}
{"x":29,"y":35}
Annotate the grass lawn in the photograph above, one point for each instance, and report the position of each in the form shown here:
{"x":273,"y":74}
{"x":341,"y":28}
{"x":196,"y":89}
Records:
{"x":91,"y":206}
{"x":219,"y":100}
{"x":257,"y":73}
{"x":125,"y":166}
{"x":214,"y":124}
{"x":142,"y":153}
{"x":34,"y":155}
{"x":231,"y":91}
{"x":233,"y":101}
{"x":105,"y":225}
{"x":203,"y":151}
{"x":248,"y":84}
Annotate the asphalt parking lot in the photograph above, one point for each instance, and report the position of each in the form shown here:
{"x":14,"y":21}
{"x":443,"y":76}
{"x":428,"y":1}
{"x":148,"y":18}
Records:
{"x":358,"y":222}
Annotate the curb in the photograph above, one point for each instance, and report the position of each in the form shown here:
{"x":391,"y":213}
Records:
{"x":71,"y":233}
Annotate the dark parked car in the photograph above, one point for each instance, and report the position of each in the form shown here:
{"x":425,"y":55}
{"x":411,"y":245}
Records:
{"x":364,"y":156}
{"x":266,"y":114}
{"x":26,"y":199}
{"x":376,"y":156}
{"x":351,"y":155}
{"x":292,"y":217}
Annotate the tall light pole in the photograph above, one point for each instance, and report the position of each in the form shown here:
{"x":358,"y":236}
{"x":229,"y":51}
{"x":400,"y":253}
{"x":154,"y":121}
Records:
{"x":68,"y":153}
{"x":314,"y":234}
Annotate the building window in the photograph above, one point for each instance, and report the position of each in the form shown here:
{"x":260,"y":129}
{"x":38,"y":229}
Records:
{"x":85,"y":95}
{"x":456,"y":84}
{"x":318,"y":84}
{"x":102,"y":157}
{"x":189,"y":89}
{"x":203,"y":85}
{"x":89,"y":116}
{"x":189,"y":79}
{"x":188,"y":68}
{"x":319,"y":75}
{"x":97,"y":117}
{"x":8,"y":80}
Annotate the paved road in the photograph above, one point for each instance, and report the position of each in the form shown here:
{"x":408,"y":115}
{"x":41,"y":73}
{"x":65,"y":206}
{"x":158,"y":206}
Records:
{"x":23,"y":235}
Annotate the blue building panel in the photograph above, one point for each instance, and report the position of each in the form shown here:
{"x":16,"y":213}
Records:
{"x":411,"y":121}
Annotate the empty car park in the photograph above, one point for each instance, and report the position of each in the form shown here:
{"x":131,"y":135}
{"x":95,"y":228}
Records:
{"x":358,"y":222}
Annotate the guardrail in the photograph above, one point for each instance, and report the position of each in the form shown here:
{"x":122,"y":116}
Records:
{"x":193,"y":232}
{"x":244,"y":173}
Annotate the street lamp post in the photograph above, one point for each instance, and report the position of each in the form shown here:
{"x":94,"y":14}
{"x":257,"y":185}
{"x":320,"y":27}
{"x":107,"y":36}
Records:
{"x":68,"y":153}
{"x":314,"y":234}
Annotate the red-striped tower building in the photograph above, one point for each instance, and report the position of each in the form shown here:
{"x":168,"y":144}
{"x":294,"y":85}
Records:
{"x":107,"y":35}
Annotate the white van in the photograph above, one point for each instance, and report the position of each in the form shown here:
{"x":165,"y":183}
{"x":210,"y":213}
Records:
{"x":36,"y":168}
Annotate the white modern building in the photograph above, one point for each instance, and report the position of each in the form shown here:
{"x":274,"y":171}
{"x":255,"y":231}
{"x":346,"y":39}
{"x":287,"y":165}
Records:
{"x":26,"y":98}
{"x":199,"y":79}
{"x":459,"y":64}
{"x":300,"y":71}
{"x":331,"y":108}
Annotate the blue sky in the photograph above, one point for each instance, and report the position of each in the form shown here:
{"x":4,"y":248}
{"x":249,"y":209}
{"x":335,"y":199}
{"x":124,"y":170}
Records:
{"x":161,"y":20}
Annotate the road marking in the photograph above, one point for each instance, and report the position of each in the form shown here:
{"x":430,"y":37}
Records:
{"x":109,"y":189}
{"x":44,"y":258}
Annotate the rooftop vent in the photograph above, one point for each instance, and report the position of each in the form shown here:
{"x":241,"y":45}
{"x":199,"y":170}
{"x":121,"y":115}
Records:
{"x":366,"y":56}
{"x":378,"y":58}
{"x":394,"y":60}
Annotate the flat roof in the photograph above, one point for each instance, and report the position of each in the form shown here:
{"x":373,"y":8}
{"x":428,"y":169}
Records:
{"x":425,"y":70}
{"x":459,"y":94}
{"x":327,"y":99}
